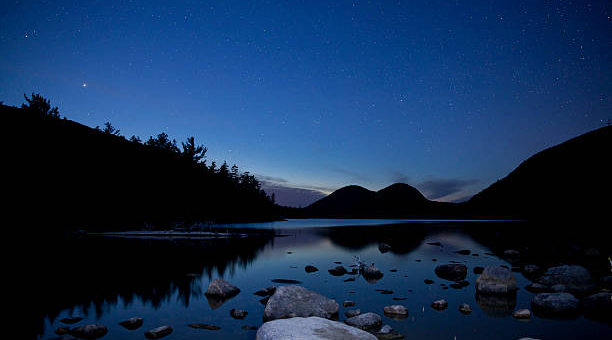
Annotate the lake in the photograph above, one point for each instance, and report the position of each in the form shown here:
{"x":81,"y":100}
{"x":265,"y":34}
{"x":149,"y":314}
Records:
{"x":107,"y":280}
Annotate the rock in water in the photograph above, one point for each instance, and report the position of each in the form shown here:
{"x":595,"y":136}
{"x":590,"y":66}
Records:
{"x":338,"y":271}
{"x":366,"y":321}
{"x":372,"y":271}
{"x":439,"y":305}
{"x":204,"y":326}
{"x":132,"y":323}
{"x":383,"y":247}
{"x":311,"y":269}
{"x":352,"y":312}
{"x":93,"y":331}
{"x":221,"y":288}
{"x":451,"y":272}
{"x":292,"y":301}
{"x":522,"y":314}
{"x":265,"y":291}
{"x":465,"y":308}
{"x":388,"y":333}
{"x":238,"y":313}
{"x":396,"y":309}
{"x":312,"y":328}
{"x":158,"y":332}
{"x":348,"y":304}
{"x":496,"y":280}
{"x":576,"y":279}
{"x":555,"y":303}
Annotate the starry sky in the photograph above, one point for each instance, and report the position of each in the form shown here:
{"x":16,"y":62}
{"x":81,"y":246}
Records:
{"x":310,"y":96}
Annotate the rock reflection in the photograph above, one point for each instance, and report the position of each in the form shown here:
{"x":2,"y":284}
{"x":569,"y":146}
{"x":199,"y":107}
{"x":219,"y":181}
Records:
{"x":497,"y":306}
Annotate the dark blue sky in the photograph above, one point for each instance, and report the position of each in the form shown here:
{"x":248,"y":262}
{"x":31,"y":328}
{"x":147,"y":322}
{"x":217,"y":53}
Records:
{"x":447,"y":96}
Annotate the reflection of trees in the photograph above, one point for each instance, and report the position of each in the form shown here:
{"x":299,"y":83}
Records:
{"x":97,"y":272}
{"x":403,"y":238}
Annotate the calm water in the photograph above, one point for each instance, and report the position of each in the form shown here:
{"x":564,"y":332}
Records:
{"x":108,"y":280}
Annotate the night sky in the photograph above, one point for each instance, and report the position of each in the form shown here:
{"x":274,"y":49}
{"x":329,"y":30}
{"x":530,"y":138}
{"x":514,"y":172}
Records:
{"x":447,"y":96}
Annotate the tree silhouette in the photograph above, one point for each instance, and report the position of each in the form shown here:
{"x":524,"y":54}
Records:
{"x":162,"y":141}
{"x":38,"y":103}
{"x":109,"y":129}
{"x":135,"y":139}
{"x":193,"y":152}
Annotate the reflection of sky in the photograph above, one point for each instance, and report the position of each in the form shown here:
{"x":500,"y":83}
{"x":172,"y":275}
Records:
{"x":308,"y":247}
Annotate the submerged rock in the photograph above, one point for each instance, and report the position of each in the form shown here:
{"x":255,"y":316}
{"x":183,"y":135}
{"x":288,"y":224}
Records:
{"x":265,"y":291}
{"x":92,"y":331}
{"x":312,"y":328}
{"x":249,"y":328}
{"x":311,"y":269}
{"x":555,"y":303}
{"x":338,"y":271}
{"x":463,"y":252}
{"x":291,"y":301}
{"x":478,"y":270}
{"x":348,"y":304}
{"x":576,"y":279}
{"x":496,"y":280}
{"x":132,"y":323}
{"x":383,"y":247}
{"x":428,"y":281}
{"x":366,"y":321}
{"x":71,"y":320}
{"x":158,"y":332}
{"x":451,"y":272}
{"x":62,"y":331}
{"x":204,"y":326}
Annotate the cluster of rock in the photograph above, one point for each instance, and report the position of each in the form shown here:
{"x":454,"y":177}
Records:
{"x":296,"y":312}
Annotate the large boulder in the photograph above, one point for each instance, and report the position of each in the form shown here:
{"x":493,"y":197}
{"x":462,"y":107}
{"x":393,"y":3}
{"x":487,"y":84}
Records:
{"x":366,"y":321}
{"x":292,"y":301}
{"x":312,"y":328}
{"x":451,"y":272}
{"x":496,"y":281}
{"x":558,"y":304}
{"x":92,"y":331}
{"x":576,"y":279}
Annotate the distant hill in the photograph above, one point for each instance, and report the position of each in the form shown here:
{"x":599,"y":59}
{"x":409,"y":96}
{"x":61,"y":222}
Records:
{"x":398,"y":200}
{"x":64,"y":175}
{"x":572,"y":180}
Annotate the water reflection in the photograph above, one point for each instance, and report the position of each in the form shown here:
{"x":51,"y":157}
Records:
{"x":111,"y":276}
{"x":100,"y":271}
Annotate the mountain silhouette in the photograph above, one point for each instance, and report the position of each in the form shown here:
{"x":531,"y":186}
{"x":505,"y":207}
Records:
{"x":572,"y":180}
{"x":398,"y":200}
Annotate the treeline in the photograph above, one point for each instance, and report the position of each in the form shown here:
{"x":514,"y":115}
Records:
{"x":84,"y":178}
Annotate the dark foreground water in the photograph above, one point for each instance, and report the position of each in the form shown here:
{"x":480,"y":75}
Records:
{"x":108,"y":280}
